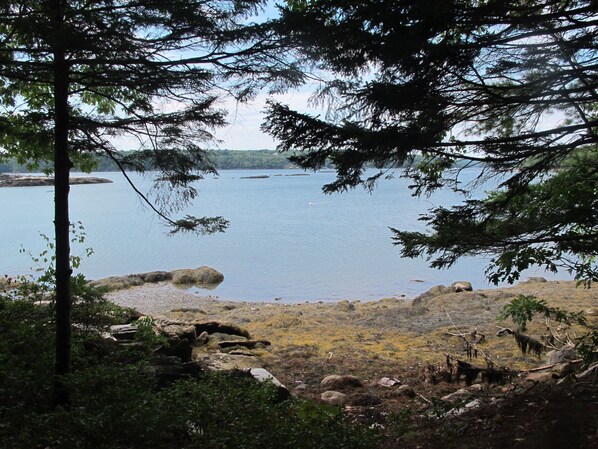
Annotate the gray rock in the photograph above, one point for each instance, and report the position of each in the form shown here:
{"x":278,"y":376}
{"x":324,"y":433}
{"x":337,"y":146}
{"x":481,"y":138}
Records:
{"x":334,"y":398}
{"x":534,"y":279}
{"x":183,"y":277}
{"x":339,"y":382}
{"x":461,"y":286}
{"x":263,"y":375}
{"x":564,"y":354}
{"x":434,"y":291}
{"x":123,"y":331}
{"x":238,"y":351}
{"x":156,"y":276}
{"x":199,"y":276}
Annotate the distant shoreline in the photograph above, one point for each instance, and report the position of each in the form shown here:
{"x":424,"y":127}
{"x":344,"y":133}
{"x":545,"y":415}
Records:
{"x":11,"y":180}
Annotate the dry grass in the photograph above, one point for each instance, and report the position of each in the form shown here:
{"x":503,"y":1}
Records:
{"x":387,"y":337}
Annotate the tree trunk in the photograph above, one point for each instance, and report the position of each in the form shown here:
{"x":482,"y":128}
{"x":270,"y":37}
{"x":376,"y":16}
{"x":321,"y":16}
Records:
{"x":62,"y":167}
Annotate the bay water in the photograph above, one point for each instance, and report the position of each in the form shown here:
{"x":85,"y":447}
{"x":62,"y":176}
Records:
{"x":287,"y":240}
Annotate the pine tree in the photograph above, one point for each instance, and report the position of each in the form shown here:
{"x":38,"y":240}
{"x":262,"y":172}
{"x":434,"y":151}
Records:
{"x":77,"y":75}
{"x":433,"y":86}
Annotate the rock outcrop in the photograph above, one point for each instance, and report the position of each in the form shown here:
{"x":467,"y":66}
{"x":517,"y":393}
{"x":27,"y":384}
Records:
{"x":199,"y":276}
{"x":189,"y":348}
{"x":341,"y":382}
{"x":34,"y":181}
{"x":202,"y":276}
{"x":455,"y":287}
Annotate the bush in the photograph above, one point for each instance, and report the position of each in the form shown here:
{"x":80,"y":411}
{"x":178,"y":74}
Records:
{"x":117,"y":404}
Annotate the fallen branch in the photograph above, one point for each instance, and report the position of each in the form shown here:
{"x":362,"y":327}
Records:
{"x":541,"y":368}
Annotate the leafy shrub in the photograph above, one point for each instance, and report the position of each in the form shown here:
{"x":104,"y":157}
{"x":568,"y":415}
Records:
{"x":523,"y":308}
{"x":116,"y":404}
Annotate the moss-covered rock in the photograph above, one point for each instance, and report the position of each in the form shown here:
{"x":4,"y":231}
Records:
{"x":199,"y":276}
{"x":156,"y":276}
{"x":113,"y":283}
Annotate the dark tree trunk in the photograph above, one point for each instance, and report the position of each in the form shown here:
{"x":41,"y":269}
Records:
{"x":62,"y":167}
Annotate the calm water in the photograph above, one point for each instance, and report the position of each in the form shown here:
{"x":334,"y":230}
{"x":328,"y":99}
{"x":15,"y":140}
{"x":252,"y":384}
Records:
{"x":286,"y":239}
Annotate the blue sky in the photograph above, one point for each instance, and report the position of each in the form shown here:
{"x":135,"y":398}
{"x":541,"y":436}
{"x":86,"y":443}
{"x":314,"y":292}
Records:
{"x":243,"y":131}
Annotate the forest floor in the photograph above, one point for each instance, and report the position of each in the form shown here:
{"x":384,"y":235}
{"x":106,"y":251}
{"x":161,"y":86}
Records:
{"x":393,"y":341}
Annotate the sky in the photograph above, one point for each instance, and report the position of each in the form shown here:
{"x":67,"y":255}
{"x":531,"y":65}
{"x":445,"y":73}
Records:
{"x":243,"y":131}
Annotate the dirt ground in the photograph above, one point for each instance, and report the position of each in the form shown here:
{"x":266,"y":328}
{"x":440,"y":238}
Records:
{"x":408,"y":345}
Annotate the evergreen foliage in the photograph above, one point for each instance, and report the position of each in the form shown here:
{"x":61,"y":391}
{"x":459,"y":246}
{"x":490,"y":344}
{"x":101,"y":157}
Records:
{"x":510,"y":85}
{"x":75,"y":76}
{"x":116,"y":401}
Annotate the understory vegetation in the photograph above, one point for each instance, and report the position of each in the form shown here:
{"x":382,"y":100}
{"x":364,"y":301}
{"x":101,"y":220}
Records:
{"x":116,"y":401}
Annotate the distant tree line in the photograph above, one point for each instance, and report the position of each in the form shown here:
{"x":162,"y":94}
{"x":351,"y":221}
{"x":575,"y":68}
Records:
{"x":222,"y":159}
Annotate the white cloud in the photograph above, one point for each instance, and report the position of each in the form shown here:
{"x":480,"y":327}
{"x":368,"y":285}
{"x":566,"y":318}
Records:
{"x":243,"y":131}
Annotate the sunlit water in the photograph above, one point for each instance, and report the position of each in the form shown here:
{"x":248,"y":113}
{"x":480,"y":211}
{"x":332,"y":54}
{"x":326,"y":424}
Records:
{"x":286,"y":239}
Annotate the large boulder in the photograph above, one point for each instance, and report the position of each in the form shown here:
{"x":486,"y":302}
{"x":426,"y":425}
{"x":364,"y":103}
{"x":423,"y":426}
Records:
{"x":461,"y":286}
{"x":123,"y":331}
{"x":341,"y":382}
{"x":156,"y":276}
{"x":118,"y":282}
{"x":562,"y":355}
{"x":455,"y":287}
{"x":434,"y":291}
{"x":199,"y":276}
{"x":262,"y":375}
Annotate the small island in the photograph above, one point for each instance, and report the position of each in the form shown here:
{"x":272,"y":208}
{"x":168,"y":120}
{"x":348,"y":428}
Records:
{"x":38,"y":180}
